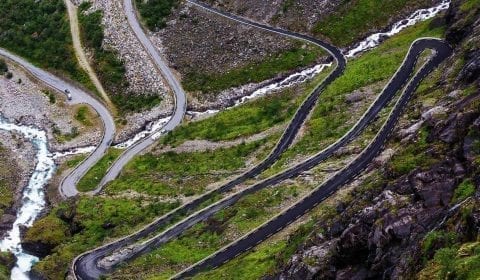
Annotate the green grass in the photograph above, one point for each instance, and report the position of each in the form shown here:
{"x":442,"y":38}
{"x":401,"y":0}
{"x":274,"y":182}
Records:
{"x":330,"y":119}
{"x":93,"y":177}
{"x":456,"y":262}
{"x":247,"y":119}
{"x":75,"y":161}
{"x":464,"y":190}
{"x":254,"y":72}
{"x":155,"y":12}
{"x":82,"y":115}
{"x":412,"y":156}
{"x":49,"y":230}
{"x":7,"y":260}
{"x":355,"y":18}
{"x":90,"y":221}
{"x":51,"y":96}
{"x":39,"y":31}
{"x":109,"y":68}
{"x":187,"y":173}
{"x":469,"y":5}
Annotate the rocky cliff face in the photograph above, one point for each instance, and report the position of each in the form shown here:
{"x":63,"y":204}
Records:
{"x":382,"y":232}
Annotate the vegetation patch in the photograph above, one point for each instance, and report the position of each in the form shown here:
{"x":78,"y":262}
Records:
{"x":464,"y":190}
{"x":51,"y":96}
{"x":83,"y":115}
{"x":155,"y":12}
{"x":93,"y":177}
{"x":455,"y":262}
{"x":171,"y":174}
{"x":40,"y":32}
{"x":254,"y":72}
{"x":110,"y":69}
{"x":354,"y":19}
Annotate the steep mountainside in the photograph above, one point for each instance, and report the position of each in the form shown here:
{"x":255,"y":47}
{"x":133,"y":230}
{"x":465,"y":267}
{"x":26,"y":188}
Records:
{"x":416,"y":215}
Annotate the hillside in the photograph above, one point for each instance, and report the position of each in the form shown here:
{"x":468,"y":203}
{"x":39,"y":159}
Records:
{"x":360,"y":166}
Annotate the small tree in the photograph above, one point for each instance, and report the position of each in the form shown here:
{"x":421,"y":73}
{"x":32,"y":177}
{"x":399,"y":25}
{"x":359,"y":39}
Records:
{"x":3,"y":67}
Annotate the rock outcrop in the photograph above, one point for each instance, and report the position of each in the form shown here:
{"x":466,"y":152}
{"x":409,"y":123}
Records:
{"x":380,"y":233}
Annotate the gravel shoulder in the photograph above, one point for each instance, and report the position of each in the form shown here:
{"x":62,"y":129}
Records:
{"x":23,"y":100}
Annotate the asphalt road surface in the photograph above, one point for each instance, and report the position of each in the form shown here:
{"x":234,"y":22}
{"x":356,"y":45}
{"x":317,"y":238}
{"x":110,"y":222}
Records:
{"x":67,"y":187}
{"x":179,"y":93}
{"x":442,"y":51}
{"x":85,"y":266}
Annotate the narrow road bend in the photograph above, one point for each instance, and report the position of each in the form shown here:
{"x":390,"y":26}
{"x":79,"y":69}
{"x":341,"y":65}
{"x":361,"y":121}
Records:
{"x":67,"y":187}
{"x":331,"y":185}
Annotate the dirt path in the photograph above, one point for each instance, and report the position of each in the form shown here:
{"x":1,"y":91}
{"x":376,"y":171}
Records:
{"x":80,"y":54}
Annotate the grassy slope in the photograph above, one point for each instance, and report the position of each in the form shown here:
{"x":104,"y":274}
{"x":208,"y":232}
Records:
{"x":110,"y":69}
{"x":171,"y":174}
{"x":353,"y":19}
{"x":254,"y":72}
{"x":93,"y":177}
{"x":207,"y":237}
{"x":329,"y":119}
{"x":39,"y":31}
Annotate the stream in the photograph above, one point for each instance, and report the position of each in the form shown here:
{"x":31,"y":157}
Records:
{"x":368,"y":43}
{"x":33,"y":201}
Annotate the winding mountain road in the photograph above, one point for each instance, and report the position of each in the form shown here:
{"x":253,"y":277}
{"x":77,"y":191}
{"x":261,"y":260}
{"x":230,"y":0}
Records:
{"x":67,"y":187}
{"x":86,"y":265}
{"x":348,"y":173}
{"x":179,"y":93}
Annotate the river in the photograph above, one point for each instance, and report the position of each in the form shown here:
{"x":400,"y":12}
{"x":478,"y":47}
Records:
{"x":33,"y":200}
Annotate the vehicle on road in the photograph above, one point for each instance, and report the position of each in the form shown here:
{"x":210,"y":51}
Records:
{"x":69,"y":95}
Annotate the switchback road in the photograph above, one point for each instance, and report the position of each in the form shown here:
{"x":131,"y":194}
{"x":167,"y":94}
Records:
{"x":330,"y":186}
{"x":179,"y":94}
{"x":67,"y":187}
{"x":86,"y":266}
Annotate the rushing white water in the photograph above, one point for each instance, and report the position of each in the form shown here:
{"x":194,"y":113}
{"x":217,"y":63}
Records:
{"x":291,"y":80}
{"x":370,"y":42}
{"x":76,"y":151}
{"x":151,"y":128}
{"x":418,"y":16}
{"x":33,"y":200}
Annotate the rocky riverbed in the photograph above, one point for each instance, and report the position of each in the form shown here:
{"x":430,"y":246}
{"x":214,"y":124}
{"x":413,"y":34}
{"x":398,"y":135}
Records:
{"x":24,"y":101}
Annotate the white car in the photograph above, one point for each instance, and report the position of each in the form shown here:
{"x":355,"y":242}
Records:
{"x":69,"y":95}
